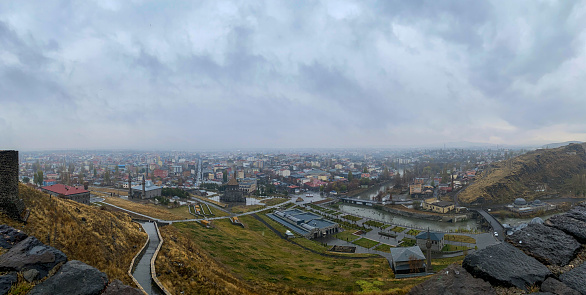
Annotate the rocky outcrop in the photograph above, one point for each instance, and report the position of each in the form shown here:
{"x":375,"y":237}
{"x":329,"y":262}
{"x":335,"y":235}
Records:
{"x":6,"y":282}
{"x":116,"y":287}
{"x":31,"y":254}
{"x":578,"y":213}
{"x":74,"y":277}
{"x":569,"y":225}
{"x":576,"y":278}
{"x":547,"y":244}
{"x":35,"y":261}
{"x":453,"y":280}
{"x":10,"y":236}
{"x":505,"y":265}
{"x":556,"y":287}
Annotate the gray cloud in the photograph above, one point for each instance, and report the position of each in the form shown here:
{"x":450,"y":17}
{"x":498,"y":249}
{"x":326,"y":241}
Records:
{"x":302,"y":74}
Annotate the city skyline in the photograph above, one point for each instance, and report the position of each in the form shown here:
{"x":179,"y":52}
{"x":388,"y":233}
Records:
{"x":225,"y":75}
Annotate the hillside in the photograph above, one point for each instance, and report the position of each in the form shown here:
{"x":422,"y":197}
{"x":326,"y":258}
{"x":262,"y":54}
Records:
{"x":105,"y":240}
{"x":537,"y":174}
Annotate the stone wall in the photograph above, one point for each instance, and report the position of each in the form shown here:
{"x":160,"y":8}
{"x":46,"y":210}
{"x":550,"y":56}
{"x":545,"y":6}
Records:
{"x":9,"y":201}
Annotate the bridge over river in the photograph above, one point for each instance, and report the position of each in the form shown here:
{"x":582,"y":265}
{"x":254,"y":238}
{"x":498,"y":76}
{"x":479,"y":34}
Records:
{"x":494,"y":223}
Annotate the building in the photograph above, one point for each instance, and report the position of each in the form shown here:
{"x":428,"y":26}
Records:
{"x":233,"y":193}
{"x":438,"y":206}
{"x":147,"y":190}
{"x":408,"y":260}
{"x":161,"y":173}
{"x":415,"y":189}
{"x":307,"y":224}
{"x":74,"y":193}
{"x":521,"y":206}
{"x":247,"y":185}
{"x":437,"y":241}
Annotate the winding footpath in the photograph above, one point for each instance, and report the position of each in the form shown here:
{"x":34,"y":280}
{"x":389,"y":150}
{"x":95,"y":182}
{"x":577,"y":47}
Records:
{"x":142,"y":273}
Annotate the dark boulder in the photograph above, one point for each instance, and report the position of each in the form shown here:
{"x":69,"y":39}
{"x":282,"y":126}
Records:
{"x":569,"y":225}
{"x":576,"y":278}
{"x":6,"y":282}
{"x":547,"y":244}
{"x":578,"y":212}
{"x":31,"y":254}
{"x":10,"y":236}
{"x":74,"y":277}
{"x":503,"y":264}
{"x":453,"y":280}
{"x":116,"y":287}
{"x":30,"y":275}
{"x":556,"y":287}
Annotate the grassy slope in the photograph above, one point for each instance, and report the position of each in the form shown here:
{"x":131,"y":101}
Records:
{"x":230,"y":259}
{"x":106,"y":240}
{"x":515,"y":178}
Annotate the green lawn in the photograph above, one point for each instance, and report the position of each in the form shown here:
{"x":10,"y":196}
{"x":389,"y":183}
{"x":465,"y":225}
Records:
{"x":454,"y":248}
{"x":407,"y":242}
{"x":413,"y":232}
{"x":366,"y":243}
{"x":460,"y":238}
{"x":346,"y":236}
{"x":256,"y":254}
{"x":398,"y":229}
{"x":383,"y":247}
{"x":351,"y":217}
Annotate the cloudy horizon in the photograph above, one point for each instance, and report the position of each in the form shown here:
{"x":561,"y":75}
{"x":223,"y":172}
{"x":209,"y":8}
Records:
{"x":291,"y":74}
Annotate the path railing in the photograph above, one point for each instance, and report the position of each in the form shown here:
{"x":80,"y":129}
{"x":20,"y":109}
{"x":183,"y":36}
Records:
{"x":153,"y":270}
{"x":133,"y":264}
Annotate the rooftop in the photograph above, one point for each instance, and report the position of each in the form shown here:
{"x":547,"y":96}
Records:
{"x":65,"y":189}
{"x":432,"y":236}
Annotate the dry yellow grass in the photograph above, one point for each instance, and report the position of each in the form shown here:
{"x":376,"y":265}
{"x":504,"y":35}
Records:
{"x":231,"y":260}
{"x":514,"y":178}
{"x":156,"y":211}
{"x":220,"y":204}
{"x":105,"y":240}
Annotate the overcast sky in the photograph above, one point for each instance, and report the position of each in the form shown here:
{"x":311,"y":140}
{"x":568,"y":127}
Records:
{"x":253,"y":74}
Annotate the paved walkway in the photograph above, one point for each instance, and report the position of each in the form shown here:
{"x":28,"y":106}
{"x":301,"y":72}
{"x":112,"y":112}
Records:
{"x":198,"y":219}
{"x":483,"y":240}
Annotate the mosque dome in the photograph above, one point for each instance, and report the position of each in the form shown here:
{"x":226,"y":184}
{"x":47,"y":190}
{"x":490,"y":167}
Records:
{"x":520,"y":202}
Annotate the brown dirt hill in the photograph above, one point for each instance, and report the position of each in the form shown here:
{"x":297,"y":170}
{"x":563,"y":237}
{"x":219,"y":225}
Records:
{"x":560,"y":171}
{"x":105,"y":240}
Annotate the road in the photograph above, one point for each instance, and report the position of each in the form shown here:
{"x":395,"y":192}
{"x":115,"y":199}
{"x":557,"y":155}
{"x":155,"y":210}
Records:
{"x":494,"y":223}
{"x":197,"y":219}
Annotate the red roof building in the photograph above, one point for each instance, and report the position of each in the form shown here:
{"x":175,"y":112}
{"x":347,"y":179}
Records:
{"x":75,"y":193}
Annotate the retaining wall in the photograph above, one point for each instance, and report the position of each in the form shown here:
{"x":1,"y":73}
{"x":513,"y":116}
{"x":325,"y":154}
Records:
{"x":153,"y":269}
{"x":133,"y":264}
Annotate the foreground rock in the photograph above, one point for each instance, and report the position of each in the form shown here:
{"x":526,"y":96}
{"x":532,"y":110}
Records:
{"x":31,"y":254}
{"x":547,"y":244}
{"x":74,"y":277}
{"x":556,"y":287}
{"x":569,"y":225}
{"x":10,"y":236}
{"x":576,"y":278}
{"x":6,"y":282}
{"x":116,"y":287}
{"x":578,"y":212}
{"x":503,"y":264}
{"x":453,"y":280}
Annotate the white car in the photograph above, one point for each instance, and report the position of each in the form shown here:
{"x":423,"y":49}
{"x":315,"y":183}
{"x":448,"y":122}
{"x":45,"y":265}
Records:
{"x":496,"y":234}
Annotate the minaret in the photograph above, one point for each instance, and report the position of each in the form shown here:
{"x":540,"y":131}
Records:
{"x":143,"y":187}
{"x":428,"y":246}
{"x":129,"y":185}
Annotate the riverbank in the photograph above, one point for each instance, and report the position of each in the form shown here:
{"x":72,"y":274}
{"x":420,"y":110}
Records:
{"x":369,"y":191}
